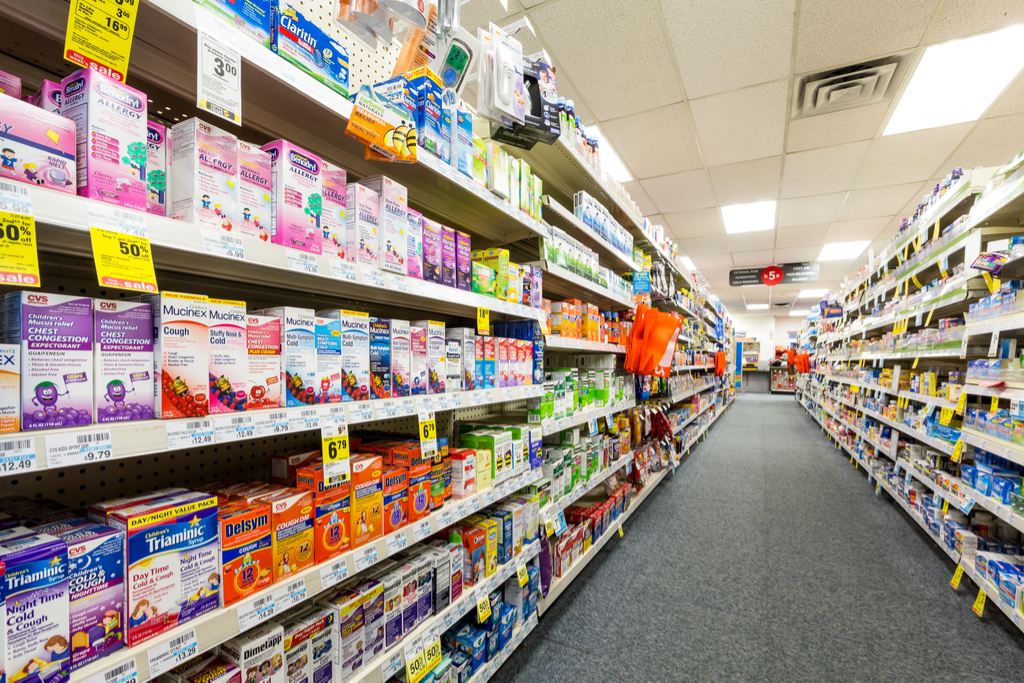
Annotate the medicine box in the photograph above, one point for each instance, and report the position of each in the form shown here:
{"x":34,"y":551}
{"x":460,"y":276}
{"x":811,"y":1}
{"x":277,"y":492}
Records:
{"x":363,"y":220}
{"x":229,"y":356}
{"x":204,"y":175}
{"x":263,"y":343}
{"x":157,"y":165}
{"x":255,"y":171}
{"x":401,"y":358}
{"x":96,"y":591}
{"x":298,"y":355}
{"x":296,"y":200}
{"x":303,"y":43}
{"x":38,"y":146}
{"x":123,"y":380}
{"x":394,"y":219}
{"x":437,"y":370}
{"x":258,"y":653}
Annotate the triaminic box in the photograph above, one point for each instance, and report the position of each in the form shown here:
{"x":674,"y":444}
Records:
{"x":124,"y":360}
{"x":204,"y":174}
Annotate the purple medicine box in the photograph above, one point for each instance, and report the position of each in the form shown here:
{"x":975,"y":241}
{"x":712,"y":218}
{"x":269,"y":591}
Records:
{"x":431,"y":250}
{"x":463,"y":261}
{"x":447,"y":256}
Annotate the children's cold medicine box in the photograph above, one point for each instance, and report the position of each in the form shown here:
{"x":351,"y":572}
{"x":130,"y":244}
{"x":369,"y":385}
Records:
{"x":229,"y":356}
{"x":36,"y":146}
{"x":263,"y":340}
{"x":298,"y":353}
{"x":124,"y":360}
{"x":204,"y":174}
{"x":181,"y":354}
{"x":296,"y":203}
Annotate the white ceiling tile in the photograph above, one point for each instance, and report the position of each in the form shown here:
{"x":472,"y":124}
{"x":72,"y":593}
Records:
{"x":672,"y":150}
{"x":1011,"y":101}
{"x":698,"y":223}
{"x":877,"y":201}
{"x":749,"y":241}
{"x":853,"y":231}
{"x":797,"y":254}
{"x":587,"y":37}
{"x":728,"y":44}
{"x":680,"y":192}
{"x":741,"y":125}
{"x":637,"y":194}
{"x":962,"y":18}
{"x":762,"y":257}
{"x":993,"y":142}
{"x":709,"y":263}
{"x":908,"y":157}
{"x":820,"y":208}
{"x":838,"y":32}
{"x":803,"y":235}
{"x":747,"y":181}
{"x":476,"y":15}
{"x":837,"y":128}
{"x":820,"y":171}
{"x":698,"y":246}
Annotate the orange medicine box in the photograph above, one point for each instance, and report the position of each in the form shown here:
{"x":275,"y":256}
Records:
{"x":367,"y":500}
{"x":246,"y":550}
{"x":292,"y":524}
{"x":283,"y":468}
{"x":331,"y":535}
{"x":419,"y":492}
{"x":396,"y":498}
{"x":408,"y":455}
{"x":311,"y":478}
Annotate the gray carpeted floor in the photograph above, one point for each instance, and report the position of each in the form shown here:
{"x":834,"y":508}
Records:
{"x":768,"y":557}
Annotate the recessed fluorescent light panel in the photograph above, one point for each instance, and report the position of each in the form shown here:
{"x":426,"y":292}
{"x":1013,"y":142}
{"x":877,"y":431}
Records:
{"x":688,"y":263}
{"x":749,"y":217}
{"x":610,"y":161}
{"x":958,"y":80}
{"x":799,"y":313}
{"x":811,"y":293}
{"x":757,"y":307}
{"x":842,"y":251}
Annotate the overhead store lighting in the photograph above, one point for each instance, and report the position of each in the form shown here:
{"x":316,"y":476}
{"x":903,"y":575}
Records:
{"x":957,"y":81}
{"x":610,"y":161}
{"x":811,"y":293}
{"x":688,"y":263}
{"x":799,"y":312}
{"x":749,"y":217}
{"x":842,"y":251}
{"x":756,"y":307}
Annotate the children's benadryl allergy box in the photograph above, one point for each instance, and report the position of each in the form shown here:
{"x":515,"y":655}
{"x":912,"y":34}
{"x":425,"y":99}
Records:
{"x":181,"y":354}
{"x":363,"y":219}
{"x":229,"y":356}
{"x":296,"y":203}
{"x":394,"y":221}
{"x":123,"y":334}
{"x":204,"y":174}
{"x":157,"y":182}
{"x":298,"y":353}
{"x":254,"y":188}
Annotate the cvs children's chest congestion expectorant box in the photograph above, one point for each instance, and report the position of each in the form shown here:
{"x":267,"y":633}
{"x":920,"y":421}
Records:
{"x":394,"y":221}
{"x":110,"y":134}
{"x":181,"y":354}
{"x":204,"y":174}
{"x":298,"y":353}
{"x":173,"y":563}
{"x":254,"y":189}
{"x":157,"y":182}
{"x":335,"y":219}
{"x":56,"y":337}
{"x":229,"y":356}
{"x":296,"y":203}
{"x":263,"y":339}
{"x":124,"y":360}
{"x":96,"y":591}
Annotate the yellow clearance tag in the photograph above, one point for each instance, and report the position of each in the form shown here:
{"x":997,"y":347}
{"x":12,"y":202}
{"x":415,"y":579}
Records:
{"x":483,"y":320}
{"x":916,"y":281}
{"x":914,"y":366}
{"x":954,"y":583}
{"x":433,"y":655}
{"x":416,"y":668}
{"x":988,"y":281}
{"x":522,"y":575}
{"x":994,"y":406}
{"x":945,"y":506}
{"x":19,"y":258}
{"x":979,"y":603}
{"x":945,"y":416}
{"x":957,"y":450}
{"x":962,"y":403}
{"x":620,"y":532}
{"x":99,"y":35}
{"x":549,"y":527}
{"x":935,"y":233}
{"x":428,"y":432}
{"x":483,"y":609}
{"x":123,"y":261}
{"x":929,"y":320}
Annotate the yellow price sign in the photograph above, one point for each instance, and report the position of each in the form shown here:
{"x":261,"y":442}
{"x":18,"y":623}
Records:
{"x":620,"y":531}
{"x":549,"y":527}
{"x":957,"y":450}
{"x":994,"y":405}
{"x":936,"y":231}
{"x":945,"y":506}
{"x":945,"y":416}
{"x":961,"y":404}
{"x":428,"y":432}
{"x":522,"y":575}
{"x":483,"y":320}
{"x":954,"y":583}
{"x":483,"y":609}
{"x":416,"y":667}
{"x":123,"y":261}
{"x":914,"y":366}
{"x":433,"y":655}
{"x":929,"y":320}
{"x":99,"y":35}
{"x":19,"y":257}
{"x":334,"y":447}
{"x":916,"y":281}
{"x":979,"y":603}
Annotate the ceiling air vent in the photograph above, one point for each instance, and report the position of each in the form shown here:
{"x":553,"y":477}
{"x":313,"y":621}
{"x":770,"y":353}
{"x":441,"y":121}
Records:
{"x":782,"y":305}
{"x":855,"y":85}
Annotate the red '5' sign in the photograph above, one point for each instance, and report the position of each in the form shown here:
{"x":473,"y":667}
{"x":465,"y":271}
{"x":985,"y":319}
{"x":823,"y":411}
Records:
{"x":771,"y":276}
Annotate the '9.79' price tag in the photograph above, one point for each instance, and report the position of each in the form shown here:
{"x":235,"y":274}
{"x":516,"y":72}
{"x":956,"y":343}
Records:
{"x":63,"y":450}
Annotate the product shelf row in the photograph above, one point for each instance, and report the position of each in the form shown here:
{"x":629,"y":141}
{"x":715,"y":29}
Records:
{"x":551,"y":509}
{"x":557,"y":343}
{"x":676,"y":398}
{"x":554,"y":426}
{"x":1001,"y":447}
{"x":490,"y":668}
{"x":693,"y":417}
{"x":561,"y":283}
{"x":563,"y":218}
{"x":991,"y":593}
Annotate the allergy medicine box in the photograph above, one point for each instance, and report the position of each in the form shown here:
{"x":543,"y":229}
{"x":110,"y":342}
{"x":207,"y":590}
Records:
{"x":204,"y":175}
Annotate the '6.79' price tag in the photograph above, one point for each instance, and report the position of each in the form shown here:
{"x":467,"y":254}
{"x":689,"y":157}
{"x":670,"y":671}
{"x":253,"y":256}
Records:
{"x":428,"y":432}
{"x":334,"y":446}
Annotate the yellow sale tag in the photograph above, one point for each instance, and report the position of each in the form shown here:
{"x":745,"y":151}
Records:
{"x":433,"y":655}
{"x":994,"y":405}
{"x":979,"y":603}
{"x":99,"y":35}
{"x":945,"y":416}
{"x":929,"y":320}
{"x":914,"y":366}
{"x":962,"y":403}
{"x":483,"y":320}
{"x":123,"y":261}
{"x":522,"y":575}
{"x":988,"y":281}
{"x":954,"y":583}
{"x":916,"y":281}
{"x":19,"y":258}
{"x":957,"y":450}
{"x":545,"y":323}
{"x":416,"y":668}
{"x":620,"y":532}
{"x":483,"y":609}
{"x":334,"y":447}
{"x":549,"y":527}
{"x":945,"y":506}
{"x":935,"y":233}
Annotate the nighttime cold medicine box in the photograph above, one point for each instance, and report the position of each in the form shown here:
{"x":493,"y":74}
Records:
{"x":229,"y":356}
{"x":96,"y":591}
{"x":123,"y":379}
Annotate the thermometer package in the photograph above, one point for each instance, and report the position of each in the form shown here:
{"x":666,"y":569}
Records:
{"x":500,"y":97}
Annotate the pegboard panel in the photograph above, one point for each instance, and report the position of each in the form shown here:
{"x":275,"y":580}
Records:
{"x":525,"y":251}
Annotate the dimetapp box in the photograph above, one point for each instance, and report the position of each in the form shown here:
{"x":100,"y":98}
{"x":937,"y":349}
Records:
{"x":229,"y":356}
{"x":414,"y":245}
{"x":10,"y":388}
{"x":263,"y":342}
{"x":367,"y":499}
{"x":110,"y":134}
{"x":296,"y":202}
{"x":172,"y":559}
{"x":431,"y":250}
{"x":254,"y":190}
{"x":380,"y":358}
{"x":181,"y":354}
{"x":157,"y":182}
{"x":401,"y":358}
{"x":55,"y":333}
{"x":246,"y":550}
{"x":363,"y":220}
{"x":123,"y":334}
{"x":259,"y":653}
{"x":298,"y":355}
{"x":328,"y":360}
{"x":437,"y":369}
{"x":204,"y":174}
{"x":448,"y":259}
{"x":291,"y":530}
{"x":335,"y":219}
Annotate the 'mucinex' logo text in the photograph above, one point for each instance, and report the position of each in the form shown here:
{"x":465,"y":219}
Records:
{"x":122,"y":96}
{"x":304,"y":162}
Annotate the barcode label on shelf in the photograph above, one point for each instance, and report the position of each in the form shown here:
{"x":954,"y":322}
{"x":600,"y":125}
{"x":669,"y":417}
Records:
{"x":342,"y":271}
{"x":125,"y":672}
{"x":397,"y":282}
{"x":385,"y":410}
{"x":234,"y":427}
{"x":289,"y":595}
{"x":255,"y":612}
{"x":364,"y":558}
{"x":109,"y":217}
{"x":392,"y":665}
{"x":373,"y":277}
{"x":396,"y":542}
{"x":189,"y":433}
{"x":304,"y":420}
{"x":361,"y":411}
{"x":15,"y":198}
{"x":333,"y":574}
{"x":222,"y":244}
{"x":64,"y":450}
{"x":302,"y":262}
{"x":166,"y":656}
{"x":271,"y":423}
{"x":421,"y":530}
{"x":17,"y":455}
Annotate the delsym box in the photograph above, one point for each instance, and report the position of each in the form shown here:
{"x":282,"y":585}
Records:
{"x":328,"y":360}
{"x":296,"y":203}
{"x":355,"y":355}
{"x":110,"y":134}
{"x":173,"y":563}
{"x":437,"y":369}
{"x":394,"y":219}
{"x":363,"y":219}
{"x":36,"y":603}
{"x":181,"y":353}
{"x":414,"y":245}
{"x":123,"y":336}
{"x":204,"y":175}
{"x":380,"y":358}
{"x":334,"y":219}
{"x":229,"y":356}
{"x":305,"y":45}
{"x":401,"y":359}
{"x":246,"y":551}
{"x":36,"y":146}
{"x":254,"y":18}
{"x":10,"y":388}
{"x":263,"y":341}
{"x":56,"y":337}
{"x":298,"y":355}
{"x":157,"y":144}
{"x":254,"y":190}
{"x":96,"y":591}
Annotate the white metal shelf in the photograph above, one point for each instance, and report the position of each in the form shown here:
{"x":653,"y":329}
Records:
{"x":1001,"y":447}
{"x":552,"y":508}
{"x":554,"y":426}
{"x":676,"y":398}
{"x":553,"y":342}
{"x":991,"y":593}
{"x":565,"y":219}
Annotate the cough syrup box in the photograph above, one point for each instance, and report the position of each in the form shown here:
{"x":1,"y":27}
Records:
{"x":123,"y":381}
{"x":367,"y":500}
{"x":401,"y":358}
{"x":335,"y":219}
{"x":437,"y":369}
{"x":110,"y":137}
{"x":298,"y":355}
{"x":204,"y":175}
{"x":263,"y":343}
{"x":418,"y":372}
{"x":229,"y":356}
{"x":431,"y":250}
{"x":448,"y":259}
{"x":181,"y":350}
{"x":380,"y":358}
{"x":255,"y":171}
{"x":332,"y":533}
{"x":419,"y":491}
{"x":172,"y":560}
{"x":393,"y":210}
{"x":396,"y":498}
{"x":158,"y":144}
{"x":291,"y":530}
{"x":258,"y":653}
{"x":55,"y":333}
{"x":355,"y":353}
{"x":247,"y":554}
{"x":296,"y":203}
{"x":328,"y":359}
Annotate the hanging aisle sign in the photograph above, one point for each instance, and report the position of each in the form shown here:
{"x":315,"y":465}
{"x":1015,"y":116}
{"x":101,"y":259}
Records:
{"x":783,"y":274}
{"x":99,"y":35}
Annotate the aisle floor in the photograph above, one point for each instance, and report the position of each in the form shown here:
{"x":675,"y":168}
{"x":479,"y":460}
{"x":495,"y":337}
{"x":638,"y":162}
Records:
{"x":768,"y":557}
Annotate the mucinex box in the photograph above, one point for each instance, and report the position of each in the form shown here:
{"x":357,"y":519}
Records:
{"x":355,"y":354}
{"x":401,"y":358}
{"x":181,"y":353}
{"x":229,"y":356}
{"x":328,"y":359}
{"x":296,"y":203}
{"x":254,"y":190}
{"x":204,"y":175}
{"x":263,"y":342}
{"x":380,"y":358}
{"x":298,"y":354}
{"x":418,"y":372}
{"x":123,"y":381}
{"x":10,"y":388}
{"x":437,"y":369}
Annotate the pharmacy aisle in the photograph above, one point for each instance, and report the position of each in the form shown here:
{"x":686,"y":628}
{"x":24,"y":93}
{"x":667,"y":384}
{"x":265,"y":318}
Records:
{"x":770,"y":563}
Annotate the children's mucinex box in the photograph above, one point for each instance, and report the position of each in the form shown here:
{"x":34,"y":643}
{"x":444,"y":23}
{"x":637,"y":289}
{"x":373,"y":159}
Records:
{"x":335,"y":219}
{"x":393,"y":222}
{"x":437,"y":369}
{"x":172,"y":557}
{"x":157,"y":145}
{"x":56,"y":337}
{"x":254,"y":189}
{"x":37,"y":638}
{"x":110,"y":134}
{"x":298,"y":353}
{"x":465,"y":338}
{"x":229,"y":356}
{"x":204,"y":174}
{"x":401,"y":358}
{"x":259,"y":653}
{"x":96,"y":591}
{"x":263,"y":339}
{"x":355,"y":354}
{"x":124,"y":360}
{"x":254,"y":18}
{"x":380,"y":358}
{"x":181,"y":354}
{"x":363,"y":219}
{"x":418,"y":372}
{"x":296,"y":203}
{"x":10,"y":388}
{"x":305,"y":45}
{"x":328,"y":359}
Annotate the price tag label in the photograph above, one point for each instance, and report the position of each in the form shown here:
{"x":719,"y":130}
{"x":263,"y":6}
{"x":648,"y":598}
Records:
{"x":256,"y":612}
{"x":290,"y":595}
{"x":961,"y":403}
{"x":333,"y":574}
{"x":966,"y":505}
{"x":302,"y":262}
{"x":17,"y":455}
{"x":428,"y":433}
{"x":421,"y":530}
{"x":125,"y":672}
{"x":305,"y":420}
{"x":945,"y":416}
{"x":219,"y":78}
{"x":373,"y":277}
{"x":979,"y":603}
{"x":234,"y":427}
{"x":415,"y":661}
{"x":963,"y":346}
{"x":433,"y":653}
{"x":945,"y":506}
{"x":361,"y":411}
{"x":396,"y":282}
{"x":175,"y":651}
{"x":19,"y":256}
{"x":364,"y":558}
{"x":219,"y":243}
{"x":560,"y":525}
{"x":993,"y":346}
{"x":396,"y":542}
{"x":549,"y":527}
{"x":386,"y":409}
{"x":994,"y":404}
{"x":271,"y":422}
{"x":99,"y":36}
{"x":483,"y":320}
{"x":483,"y":609}
{"x":391,"y":666}
{"x":342,"y":271}
{"x":522,"y":575}
{"x":64,"y":450}
{"x":954,"y":583}
{"x":190,"y":433}
{"x":334,"y":446}
{"x":123,"y":221}
{"x":123,"y":261}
